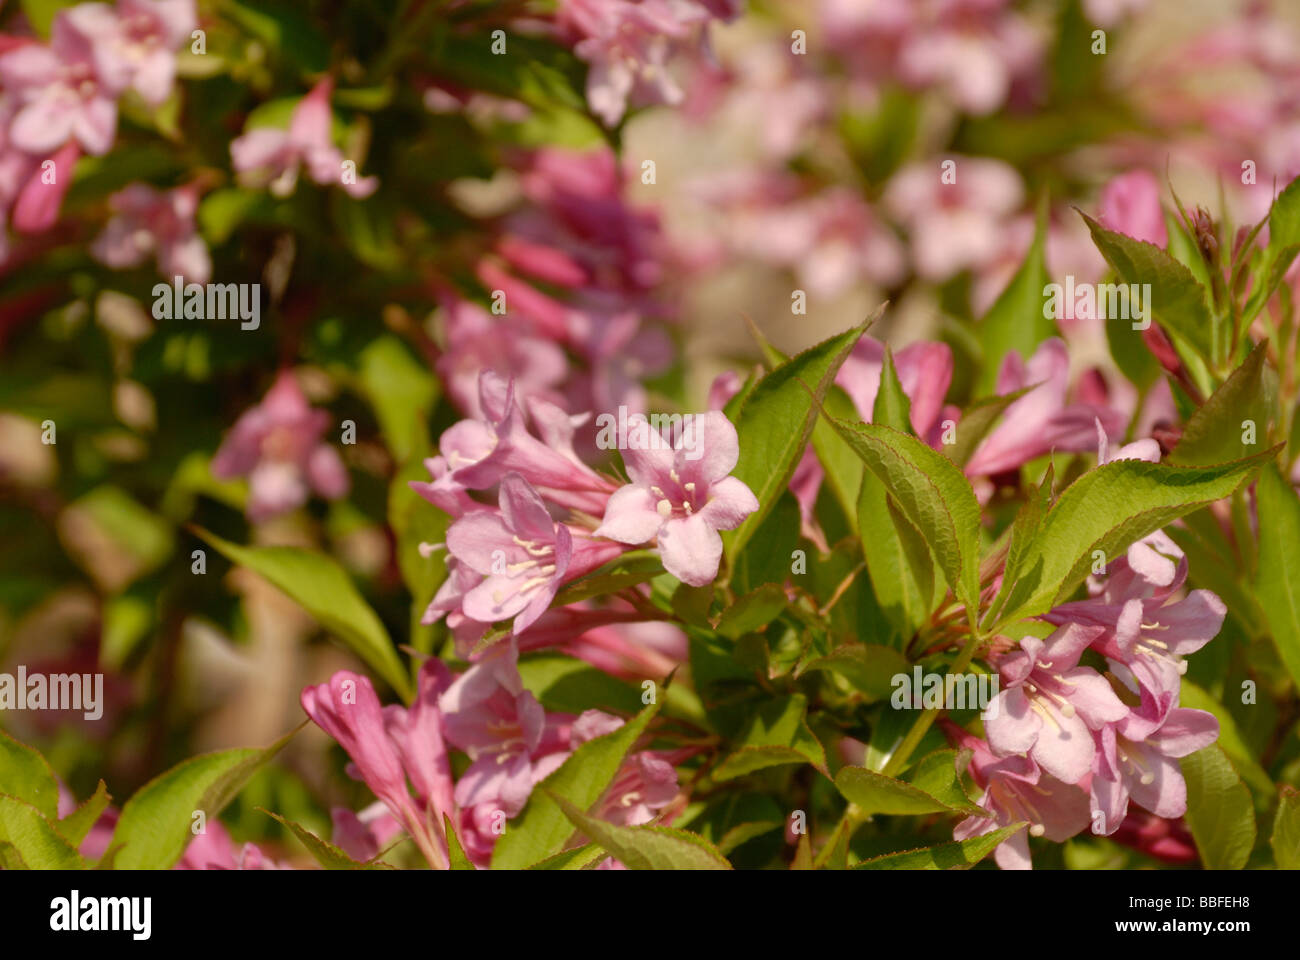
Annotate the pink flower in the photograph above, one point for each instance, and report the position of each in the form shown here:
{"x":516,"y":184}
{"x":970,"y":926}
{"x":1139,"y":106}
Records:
{"x":628,"y":46}
{"x":1040,"y":421}
{"x":1130,"y":204}
{"x":1049,"y":705}
{"x":1017,"y":791}
{"x":924,"y":371}
{"x":522,"y":556}
{"x":63,"y":95}
{"x":957,"y":225}
{"x":136,"y":43}
{"x":511,"y":742}
{"x":213,"y":849}
{"x":476,"y":454}
{"x":679,"y":499}
{"x":277,"y":445}
{"x":161,"y":223}
{"x":269,"y":155}
{"x":38,"y":203}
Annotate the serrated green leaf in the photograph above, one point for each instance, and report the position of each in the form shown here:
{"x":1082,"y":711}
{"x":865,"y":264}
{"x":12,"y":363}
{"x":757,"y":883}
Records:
{"x":317,"y":583}
{"x":1278,"y":577}
{"x":937,"y":774}
{"x":1220,"y":813}
{"x":777,"y":734}
{"x":1107,"y":509}
{"x":1286,"y":829}
{"x":77,"y":824}
{"x":775,"y":423}
{"x":323,"y":852}
{"x":25,"y":774}
{"x":1016,"y":321}
{"x":876,"y":793}
{"x":155,"y":826}
{"x":932,"y":494}
{"x":1214,"y":433}
{"x":753,"y":611}
{"x":34,"y":838}
{"x":945,"y":856}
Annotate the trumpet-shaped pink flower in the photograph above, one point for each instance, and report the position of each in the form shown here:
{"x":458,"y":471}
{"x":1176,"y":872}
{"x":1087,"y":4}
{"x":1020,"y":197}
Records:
{"x":1130,"y":204}
{"x":158,"y":223}
{"x":512,"y":743}
{"x":680,"y":500}
{"x":62,"y":92}
{"x":1049,"y":705}
{"x":522,"y":556}
{"x":1040,"y":421}
{"x":1017,"y":791}
{"x":269,"y":155}
{"x":277,"y":445}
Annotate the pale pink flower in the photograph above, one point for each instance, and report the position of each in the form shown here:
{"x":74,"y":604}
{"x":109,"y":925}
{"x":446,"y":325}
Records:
{"x":1049,"y":705}
{"x":61,"y":91}
{"x":272,"y":156}
{"x":954,"y":226}
{"x":679,"y":500}
{"x":136,"y":42}
{"x":278,"y":445}
{"x":214,"y":849}
{"x":159,"y":223}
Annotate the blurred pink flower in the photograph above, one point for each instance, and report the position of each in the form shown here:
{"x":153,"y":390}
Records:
{"x":1130,"y":204}
{"x":63,"y":95}
{"x":277,"y":445}
{"x":148,"y":221}
{"x":213,"y":849}
{"x":136,"y":42}
{"x":273,"y":156}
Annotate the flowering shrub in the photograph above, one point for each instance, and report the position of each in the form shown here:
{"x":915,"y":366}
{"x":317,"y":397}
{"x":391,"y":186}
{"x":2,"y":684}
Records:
{"x":375,"y":386}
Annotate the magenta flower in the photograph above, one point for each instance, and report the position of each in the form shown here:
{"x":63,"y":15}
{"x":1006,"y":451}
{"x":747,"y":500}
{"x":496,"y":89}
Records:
{"x":272,"y":156}
{"x":1040,"y":421}
{"x":62,"y":93}
{"x":159,"y":223}
{"x":924,"y":372}
{"x":1049,"y":705}
{"x":37,"y":206}
{"x":277,"y":445}
{"x":1130,"y":204}
{"x":680,"y":501}
{"x":521,"y":554}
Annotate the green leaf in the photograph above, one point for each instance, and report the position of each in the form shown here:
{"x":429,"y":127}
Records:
{"x":647,"y":847}
{"x":402,"y":392}
{"x":775,"y":423}
{"x":323,"y":852}
{"x":876,"y":793}
{"x":777,"y":734}
{"x":455,"y":852}
{"x":25,"y":774}
{"x":1016,"y":320}
{"x":1220,"y":813}
{"x":976,"y":421}
{"x":898,"y":558}
{"x":631,"y":569}
{"x":1286,"y":829}
{"x":938,"y":775}
{"x":77,"y":824}
{"x":41,"y":13}
{"x":932,"y":494}
{"x":870,"y":667}
{"x":542,"y":829}
{"x":284,"y":29}
{"x":893,"y":408}
{"x":570,"y":685}
{"x":946,"y":856}
{"x":579,"y":858}
{"x":1278,"y":577}
{"x":1107,"y":509}
{"x":155,"y":826}
{"x":1230,"y":740}
{"x":34,"y":838}
{"x":753,"y":611}
{"x":320,"y":586}
{"x":841,"y":465}
{"x":1178,"y":302}
{"x":1214,"y":433}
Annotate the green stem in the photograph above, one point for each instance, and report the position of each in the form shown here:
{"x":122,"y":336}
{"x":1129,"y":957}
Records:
{"x":924,"y":721}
